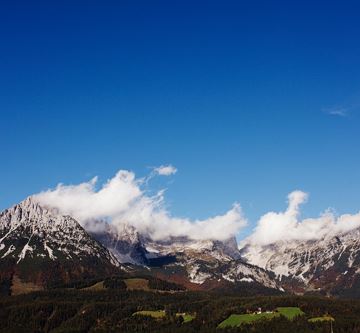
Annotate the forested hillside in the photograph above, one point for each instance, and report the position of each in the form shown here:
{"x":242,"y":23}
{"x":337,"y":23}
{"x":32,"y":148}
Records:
{"x":112,"y":310}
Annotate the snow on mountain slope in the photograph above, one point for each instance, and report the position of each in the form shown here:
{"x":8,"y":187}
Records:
{"x":327,"y":264}
{"x":211,"y":249}
{"x":240,"y":271}
{"x":210,"y":262}
{"x":35,"y":240}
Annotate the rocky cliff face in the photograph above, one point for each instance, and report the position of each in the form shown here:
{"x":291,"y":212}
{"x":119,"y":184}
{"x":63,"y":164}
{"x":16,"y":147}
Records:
{"x":123,"y":242}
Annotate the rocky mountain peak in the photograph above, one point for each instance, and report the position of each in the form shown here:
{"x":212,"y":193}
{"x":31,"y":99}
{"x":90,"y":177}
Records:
{"x":31,"y":233}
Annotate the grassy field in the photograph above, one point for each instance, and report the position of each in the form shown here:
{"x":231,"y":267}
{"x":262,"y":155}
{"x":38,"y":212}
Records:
{"x":137,"y":284}
{"x":155,"y":314}
{"x":290,"y":312}
{"x":323,"y":318}
{"x":187,"y":317}
{"x":96,"y":287}
{"x":236,"y":319}
{"x":159,"y":314}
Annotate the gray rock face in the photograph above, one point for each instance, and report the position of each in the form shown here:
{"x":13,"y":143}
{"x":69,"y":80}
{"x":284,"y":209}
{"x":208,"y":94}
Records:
{"x":330,"y":264}
{"x":36,"y":242}
{"x":124,"y":243}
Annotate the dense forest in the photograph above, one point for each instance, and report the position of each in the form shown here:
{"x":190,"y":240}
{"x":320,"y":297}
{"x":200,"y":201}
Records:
{"x":112,"y":307}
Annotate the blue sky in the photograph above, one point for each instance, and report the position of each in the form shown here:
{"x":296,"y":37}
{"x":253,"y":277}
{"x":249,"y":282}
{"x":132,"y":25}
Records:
{"x":249,"y":100}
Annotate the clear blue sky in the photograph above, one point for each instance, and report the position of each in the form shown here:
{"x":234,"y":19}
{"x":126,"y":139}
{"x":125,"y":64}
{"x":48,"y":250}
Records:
{"x":248,"y":99}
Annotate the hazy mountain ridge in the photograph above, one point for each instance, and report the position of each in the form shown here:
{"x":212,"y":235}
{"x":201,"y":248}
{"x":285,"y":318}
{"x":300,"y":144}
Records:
{"x":124,"y":244}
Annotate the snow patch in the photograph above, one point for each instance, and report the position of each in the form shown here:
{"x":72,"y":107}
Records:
{"x":246,"y":279}
{"x":26,"y":248}
{"x":228,"y":278}
{"x":10,"y":250}
{"x":49,"y":251}
{"x":196,"y":276}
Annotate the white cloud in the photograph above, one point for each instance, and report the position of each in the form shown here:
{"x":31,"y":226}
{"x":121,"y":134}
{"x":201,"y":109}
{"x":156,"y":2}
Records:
{"x":165,"y":170}
{"x":122,"y":199}
{"x":286,"y":226}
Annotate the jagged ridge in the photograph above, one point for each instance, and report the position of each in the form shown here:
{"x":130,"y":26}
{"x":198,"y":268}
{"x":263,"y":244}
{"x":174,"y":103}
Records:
{"x":331,"y":265}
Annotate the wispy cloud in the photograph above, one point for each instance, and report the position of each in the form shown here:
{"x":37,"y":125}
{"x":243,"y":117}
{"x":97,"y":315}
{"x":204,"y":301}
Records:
{"x":165,"y":170}
{"x":339,"y":111}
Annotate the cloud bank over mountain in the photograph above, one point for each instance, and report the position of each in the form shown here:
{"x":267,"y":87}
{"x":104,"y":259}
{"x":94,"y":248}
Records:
{"x":123,"y":199}
{"x":287,"y":226}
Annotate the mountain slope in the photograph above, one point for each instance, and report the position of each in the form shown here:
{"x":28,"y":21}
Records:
{"x":125,"y":244}
{"x":41,"y":246}
{"x":204,"y":264}
{"x":196,"y":264}
{"x":331,"y":265}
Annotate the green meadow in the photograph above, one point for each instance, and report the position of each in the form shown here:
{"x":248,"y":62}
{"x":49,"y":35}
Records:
{"x":290,"y":312}
{"x":323,"y":318}
{"x":159,"y":314}
{"x":239,"y":319}
{"x":187,"y":317}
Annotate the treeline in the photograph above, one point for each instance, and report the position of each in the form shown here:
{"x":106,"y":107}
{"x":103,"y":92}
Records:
{"x":111,"y":310}
{"x":158,"y":284}
{"x":117,"y":282}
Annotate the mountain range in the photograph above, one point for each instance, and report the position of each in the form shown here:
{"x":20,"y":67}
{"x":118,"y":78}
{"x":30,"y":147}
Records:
{"x":42,"y":248}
